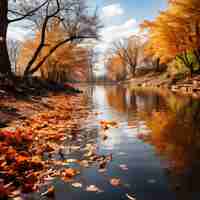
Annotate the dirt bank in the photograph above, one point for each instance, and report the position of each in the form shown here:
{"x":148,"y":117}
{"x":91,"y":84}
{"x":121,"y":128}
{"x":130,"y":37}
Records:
{"x":187,"y":86}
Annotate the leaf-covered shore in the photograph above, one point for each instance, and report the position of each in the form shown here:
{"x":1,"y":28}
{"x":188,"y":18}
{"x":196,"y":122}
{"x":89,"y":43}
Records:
{"x":34,"y":134}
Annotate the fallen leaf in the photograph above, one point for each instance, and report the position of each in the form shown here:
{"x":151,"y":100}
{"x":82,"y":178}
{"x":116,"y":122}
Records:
{"x":108,"y":124}
{"x":50,"y":192}
{"x":84,"y":163}
{"x":69,"y":173}
{"x":93,"y":188}
{"x":123,"y":167}
{"x":130,"y":197}
{"x":71,"y":160}
{"x":115,"y":182}
{"x":102,"y":170}
{"x":21,"y":158}
{"x":77,"y":185}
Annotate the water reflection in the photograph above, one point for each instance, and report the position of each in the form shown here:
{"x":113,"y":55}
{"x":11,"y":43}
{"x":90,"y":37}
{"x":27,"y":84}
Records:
{"x":172,"y":127}
{"x":163,"y":162}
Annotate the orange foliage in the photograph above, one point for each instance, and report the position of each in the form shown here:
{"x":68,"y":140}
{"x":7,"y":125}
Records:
{"x":176,"y":141}
{"x":115,"y":67}
{"x":68,"y":62}
{"x":174,"y":31}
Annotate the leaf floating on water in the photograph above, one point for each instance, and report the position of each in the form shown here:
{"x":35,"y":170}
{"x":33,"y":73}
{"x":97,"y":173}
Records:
{"x":69,"y":173}
{"x":49,"y":178}
{"x":141,"y":136}
{"x":102,"y":170}
{"x":77,"y":185}
{"x":98,"y":113}
{"x":84,"y":163}
{"x":123,"y":167}
{"x":93,"y":188}
{"x":71,"y":161}
{"x":49,"y":193}
{"x":108,"y":124}
{"x":130,"y":197}
{"x":115,"y":182}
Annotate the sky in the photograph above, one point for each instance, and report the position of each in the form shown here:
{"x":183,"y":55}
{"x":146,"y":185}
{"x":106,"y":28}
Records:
{"x":120,"y":18}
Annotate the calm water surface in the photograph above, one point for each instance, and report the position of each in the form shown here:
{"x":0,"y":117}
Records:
{"x":158,"y":139}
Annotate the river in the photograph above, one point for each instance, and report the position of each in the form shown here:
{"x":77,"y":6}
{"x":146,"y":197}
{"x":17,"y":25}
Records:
{"x":155,"y":148}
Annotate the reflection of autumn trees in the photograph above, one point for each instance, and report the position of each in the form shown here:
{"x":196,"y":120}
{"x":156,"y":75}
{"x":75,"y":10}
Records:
{"x":174,"y":124}
{"x":173,"y":121}
{"x":176,"y":135}
{"x":116,"y":68}
{"x":116,"y":97}
{"x":138,"y":100}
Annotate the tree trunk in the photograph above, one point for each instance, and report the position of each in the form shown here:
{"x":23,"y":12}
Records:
{"x":197,"y":55}
{"x":158,"y":65}
{"x":5,"y":66}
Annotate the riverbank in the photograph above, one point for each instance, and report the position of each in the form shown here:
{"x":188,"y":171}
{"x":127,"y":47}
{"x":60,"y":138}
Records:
{"x":186,"y":86}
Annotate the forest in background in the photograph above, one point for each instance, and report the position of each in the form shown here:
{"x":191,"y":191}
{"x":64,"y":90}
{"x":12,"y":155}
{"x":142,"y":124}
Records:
{"x":61,"y":46}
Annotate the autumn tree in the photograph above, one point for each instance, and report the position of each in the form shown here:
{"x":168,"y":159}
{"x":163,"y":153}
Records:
{"x":116,"y":69}
{"x":11,"y":13}
{"x":174,"y":34}
{"x":72,"y":15}
{"x":69,"y":62}
{"x":128,"y":51}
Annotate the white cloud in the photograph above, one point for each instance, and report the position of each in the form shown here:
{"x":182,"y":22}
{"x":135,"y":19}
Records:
{"x":112,"y":10}
{"x":17,"y":33}
{"x":115,"y":32}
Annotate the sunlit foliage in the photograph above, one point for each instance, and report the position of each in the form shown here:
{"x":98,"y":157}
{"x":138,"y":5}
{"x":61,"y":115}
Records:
{"x":174,"y":34}
{"x":69,"y":62}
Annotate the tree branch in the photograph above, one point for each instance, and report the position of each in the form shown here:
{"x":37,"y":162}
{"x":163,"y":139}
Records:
{"x":53,"y":49}
{"x":23,"y":16}
{"x":43,"y":37}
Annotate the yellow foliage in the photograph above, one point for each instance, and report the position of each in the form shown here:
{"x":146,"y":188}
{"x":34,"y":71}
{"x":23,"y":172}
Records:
{"x":175,"y":30}
{"x":67,"y":62}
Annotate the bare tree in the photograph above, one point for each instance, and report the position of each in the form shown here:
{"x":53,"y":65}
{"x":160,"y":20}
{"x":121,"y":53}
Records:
{"x":13,"y":51}
{"x":8,"y":16}
{"x":93,"y":56}
{"x":128,"y":51}
{"x":72,"y":15}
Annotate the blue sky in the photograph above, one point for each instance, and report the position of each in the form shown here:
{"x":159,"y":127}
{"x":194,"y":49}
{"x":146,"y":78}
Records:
{"x":121,"y":12}
{"x":121,"y":19}
{"x":138,"y":9}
